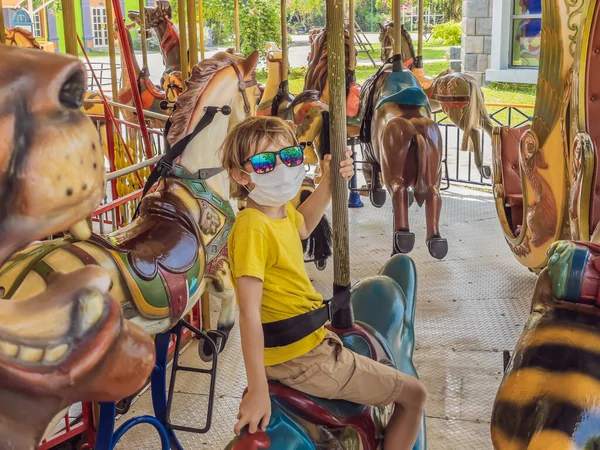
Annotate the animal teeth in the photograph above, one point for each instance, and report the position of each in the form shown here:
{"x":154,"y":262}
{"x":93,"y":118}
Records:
{"x":9,"y":349}
{"x":30,"y":354}
{"x":55,"y":353}
{"x":81,"y":230}
{"x":91,"y":305}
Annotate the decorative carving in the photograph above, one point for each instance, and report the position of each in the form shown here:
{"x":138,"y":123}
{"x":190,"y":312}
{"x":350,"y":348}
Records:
{"x":574,"y":10}
{"x":541,"y":217}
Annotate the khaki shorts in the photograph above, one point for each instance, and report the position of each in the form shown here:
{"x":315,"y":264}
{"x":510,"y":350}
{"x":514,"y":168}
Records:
{"x":332,"y":371}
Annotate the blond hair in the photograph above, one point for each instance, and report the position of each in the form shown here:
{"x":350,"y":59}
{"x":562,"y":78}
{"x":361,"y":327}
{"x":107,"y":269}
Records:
{"x":244,"y":141}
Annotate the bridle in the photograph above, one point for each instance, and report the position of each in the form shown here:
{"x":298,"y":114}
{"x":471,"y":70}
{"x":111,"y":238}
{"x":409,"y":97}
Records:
{"x":170,"y":38}
{"x":243,"y":85}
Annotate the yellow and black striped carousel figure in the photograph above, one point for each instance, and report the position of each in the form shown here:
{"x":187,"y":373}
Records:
{"x":550,"y":396}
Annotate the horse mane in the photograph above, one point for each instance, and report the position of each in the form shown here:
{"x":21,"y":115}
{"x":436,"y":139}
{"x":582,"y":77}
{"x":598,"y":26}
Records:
{"x":186,"y":103}
{"x":316,"y":74}
{"x":368,"y":93}
{"x":12,"y":32}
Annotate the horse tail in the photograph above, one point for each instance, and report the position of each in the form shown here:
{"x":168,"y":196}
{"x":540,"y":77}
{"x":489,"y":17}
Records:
{"x":421,"y":184}
{"x":473,"y":115}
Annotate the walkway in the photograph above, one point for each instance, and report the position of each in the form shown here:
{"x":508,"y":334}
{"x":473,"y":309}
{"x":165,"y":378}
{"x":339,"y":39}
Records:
{"x":470,"y":307}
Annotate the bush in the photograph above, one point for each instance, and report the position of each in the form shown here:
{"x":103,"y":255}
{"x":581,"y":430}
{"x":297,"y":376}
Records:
{"x":448,"y":32}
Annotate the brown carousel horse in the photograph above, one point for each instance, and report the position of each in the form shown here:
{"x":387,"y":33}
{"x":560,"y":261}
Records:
{"x":316,"y":77}
{"x":153,"y":99}
{"x":457,"y":94}
{"x":404,"y":146}
{"x":21,"y":38}
{"x":67,"y":342}
{"x":176,"y":249}
{"x":158,"y":18}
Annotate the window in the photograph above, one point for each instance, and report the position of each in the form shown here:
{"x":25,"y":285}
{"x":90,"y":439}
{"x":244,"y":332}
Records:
{"x":526,"y":33}
{"x":99,"y":27}
{"x":37,"y":25}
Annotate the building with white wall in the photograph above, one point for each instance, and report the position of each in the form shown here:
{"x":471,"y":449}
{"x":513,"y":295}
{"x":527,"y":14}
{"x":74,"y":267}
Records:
{"x":501,"y":40}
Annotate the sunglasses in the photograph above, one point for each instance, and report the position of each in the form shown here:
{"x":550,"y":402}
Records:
{"x":290,"y":156}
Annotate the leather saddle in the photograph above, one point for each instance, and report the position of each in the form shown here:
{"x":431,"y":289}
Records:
{"x":403,"y":88}
{"x":150,"y":92}
{"x":353,"y":100}
{"x":164,"y":235}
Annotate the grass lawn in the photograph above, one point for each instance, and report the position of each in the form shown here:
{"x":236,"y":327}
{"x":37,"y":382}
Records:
{"x":431,"y":50}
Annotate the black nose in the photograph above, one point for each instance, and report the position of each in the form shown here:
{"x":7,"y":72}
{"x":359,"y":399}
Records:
{"x":72,"y":91}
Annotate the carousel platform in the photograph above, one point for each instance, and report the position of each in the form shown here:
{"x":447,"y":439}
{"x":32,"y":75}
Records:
{"x":470,"y":307}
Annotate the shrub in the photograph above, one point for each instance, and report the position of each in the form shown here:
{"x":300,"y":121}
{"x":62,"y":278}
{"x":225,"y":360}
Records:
{"x":448,"y":32}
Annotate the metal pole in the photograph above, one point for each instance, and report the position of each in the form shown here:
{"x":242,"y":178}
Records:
{"x":70,"y":30}
{"x":236,"y":23}
{"x":420,"y":28}
{"x":397,"y":27}
{"x":182,"y":39}
{"x":284,"y":44}
{"x":112,"y":54}
{"x":127,"y":56}
{"x":352,"y":62}
{"x":201,"y":25}
{"x":192,"y":32}
{"x":142,"y":6}
{"x":2,"y":35}
{"x":337,"y":120}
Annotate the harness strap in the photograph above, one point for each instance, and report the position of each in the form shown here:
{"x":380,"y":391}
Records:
{"x":164,"y":167}
{"x":287,"y":331}
{"x":243,"y":85}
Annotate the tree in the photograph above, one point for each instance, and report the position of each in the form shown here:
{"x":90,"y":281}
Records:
{"x":303,"y":12}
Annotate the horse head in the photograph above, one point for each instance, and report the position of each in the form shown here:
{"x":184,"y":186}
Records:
{"x":69,"y":342}
{"x":222,"y":80}
{"x":550,"y":391}
{"x":386,"y":39}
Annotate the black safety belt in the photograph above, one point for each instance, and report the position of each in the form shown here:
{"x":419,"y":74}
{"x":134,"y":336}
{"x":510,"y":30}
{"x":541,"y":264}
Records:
{"x":164,"y":167}
{"x":287,"y":331}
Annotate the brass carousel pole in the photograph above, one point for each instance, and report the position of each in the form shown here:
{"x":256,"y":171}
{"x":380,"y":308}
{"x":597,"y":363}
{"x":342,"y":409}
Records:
{"x":351,"y":31}
{"x":2,"y":35}
{"x":142,"y":6}
{"x":182,"y":39}
{"x":70,"y":30}
{"x":201,"y":26}
{"x":236,"y":22}
{"x":112,"y":54}
{"x":192,"y":32}
{"x":284,"y":43}
{"x":337,"y":120}
{"x":419,"y":62}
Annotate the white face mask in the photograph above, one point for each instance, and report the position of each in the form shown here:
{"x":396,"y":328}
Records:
{"x":277,"y":187}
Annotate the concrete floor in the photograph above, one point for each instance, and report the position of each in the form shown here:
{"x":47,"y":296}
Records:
{"x":470,"y":307}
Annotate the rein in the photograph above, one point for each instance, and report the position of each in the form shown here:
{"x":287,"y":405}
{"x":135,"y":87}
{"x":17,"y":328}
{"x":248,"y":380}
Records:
{"x":243,"y":85}
{"x":164,"y":168}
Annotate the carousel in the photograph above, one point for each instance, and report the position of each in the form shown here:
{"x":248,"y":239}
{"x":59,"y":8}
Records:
{"x":118,"y":309}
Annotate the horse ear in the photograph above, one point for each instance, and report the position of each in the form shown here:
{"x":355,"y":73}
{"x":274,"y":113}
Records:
{"x":251,"y":62}
{"x":381,"y":26}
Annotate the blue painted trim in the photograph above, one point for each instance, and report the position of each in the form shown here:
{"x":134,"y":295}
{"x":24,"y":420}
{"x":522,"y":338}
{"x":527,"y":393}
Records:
{"x":578,"y":263}
{"x":52,"y":27}
{"x":86,"y":18}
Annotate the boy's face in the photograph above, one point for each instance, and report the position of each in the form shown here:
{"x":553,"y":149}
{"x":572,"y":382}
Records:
{"x":242,"y":176}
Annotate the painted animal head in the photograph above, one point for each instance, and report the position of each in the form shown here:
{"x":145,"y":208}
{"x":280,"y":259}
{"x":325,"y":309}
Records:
{"x":386,"y":39}
{"x":316,"y":72}
{"x":223,"y":79}
{"x":20,"y":37}
{"x":51,"y":160}
{"x":68,"y":343}
{"x":155,"y":16}
{"x":550,"y":395}
{"x":172,"y":85}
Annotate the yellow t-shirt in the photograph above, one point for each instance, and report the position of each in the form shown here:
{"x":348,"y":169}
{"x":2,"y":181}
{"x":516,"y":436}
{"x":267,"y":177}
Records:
{"x":271,"y":250}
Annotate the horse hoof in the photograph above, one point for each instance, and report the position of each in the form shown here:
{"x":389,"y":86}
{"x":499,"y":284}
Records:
{"x":438,"y":247}
{"x":486,"y":172}
{"x":321,"y":264}
{"x":404,"y":241}
{"x":205,"y":350}
{"x":377,"y":197}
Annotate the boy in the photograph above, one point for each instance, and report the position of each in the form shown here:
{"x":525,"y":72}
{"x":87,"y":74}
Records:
{"x":265,"y":164}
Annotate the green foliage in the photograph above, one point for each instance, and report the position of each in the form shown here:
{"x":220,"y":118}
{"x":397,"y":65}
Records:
{"x":448,"y":32}
{"x":259,"y":20}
